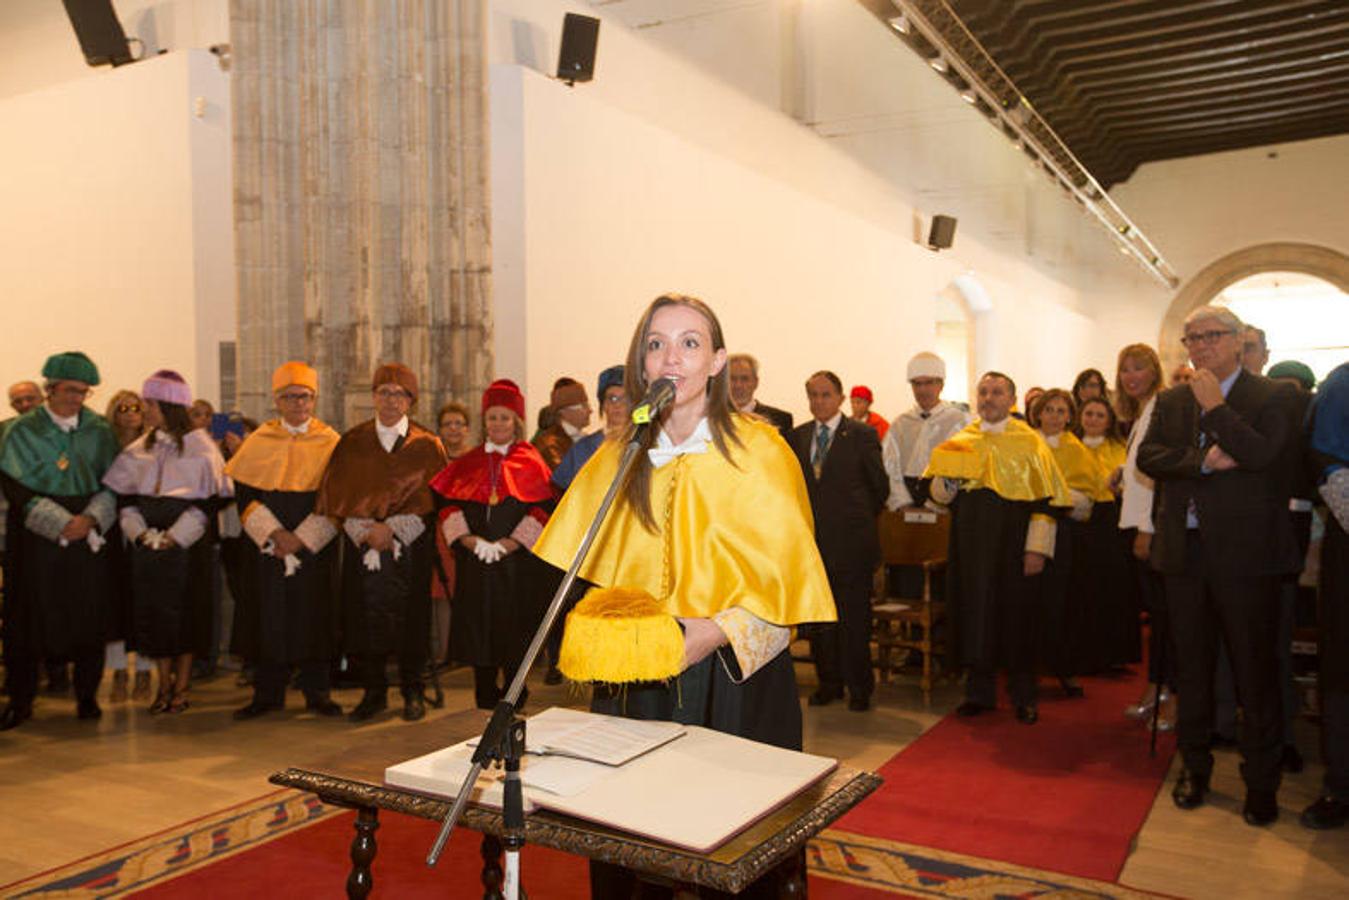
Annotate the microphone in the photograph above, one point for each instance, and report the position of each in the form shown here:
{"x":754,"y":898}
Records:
{"x":658,"y":396}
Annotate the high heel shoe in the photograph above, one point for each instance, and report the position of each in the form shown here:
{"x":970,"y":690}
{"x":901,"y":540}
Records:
{"x":178,"y":703}
{"x":161,"y":703}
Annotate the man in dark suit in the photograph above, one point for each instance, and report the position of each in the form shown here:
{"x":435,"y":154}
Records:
{"x":841,"y":460}
{"x":1216,"y":447}
{"x":744,"y":377}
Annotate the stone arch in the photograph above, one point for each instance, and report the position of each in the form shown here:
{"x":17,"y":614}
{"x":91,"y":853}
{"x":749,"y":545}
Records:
{"x":1309,"y":259}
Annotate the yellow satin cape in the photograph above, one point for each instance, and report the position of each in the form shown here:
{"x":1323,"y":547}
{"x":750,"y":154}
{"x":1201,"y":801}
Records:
{"x":1111,"y":454}
{"x":1081,"y":468}
{"x":1015,"y":464}
{"x":273,"y":459}
{"x":727,"y":534}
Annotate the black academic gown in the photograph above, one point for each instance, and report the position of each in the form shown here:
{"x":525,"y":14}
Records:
{"x":991,"y":604}
{"x":173,"y":588}
{"x":495,"y":612}
{"x":56,"y":598}
{"x":293,"y":619}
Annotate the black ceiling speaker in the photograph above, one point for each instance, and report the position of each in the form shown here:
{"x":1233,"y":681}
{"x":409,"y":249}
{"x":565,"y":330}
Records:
{"x":101,"y":37}
{"x":942,"y":234}
{"x":576,"y":61}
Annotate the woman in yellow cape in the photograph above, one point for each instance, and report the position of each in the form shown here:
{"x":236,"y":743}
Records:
{"x":713,"y":526}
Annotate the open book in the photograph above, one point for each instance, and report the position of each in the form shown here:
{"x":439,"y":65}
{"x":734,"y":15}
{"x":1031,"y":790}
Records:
{"x":694,"y":792}
{"x":604,"y":739}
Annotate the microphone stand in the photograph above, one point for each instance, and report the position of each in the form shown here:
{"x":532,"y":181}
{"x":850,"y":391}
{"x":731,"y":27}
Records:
{"x":503,"y":740}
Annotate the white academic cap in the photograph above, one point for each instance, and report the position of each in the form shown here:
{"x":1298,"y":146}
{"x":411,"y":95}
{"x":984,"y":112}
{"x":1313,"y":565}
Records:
{"x":927,"y":365}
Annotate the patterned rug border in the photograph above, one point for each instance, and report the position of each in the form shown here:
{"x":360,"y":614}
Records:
{"x":176,"y":850}
{"x":880,"y":864}
{"x":912,"y":870}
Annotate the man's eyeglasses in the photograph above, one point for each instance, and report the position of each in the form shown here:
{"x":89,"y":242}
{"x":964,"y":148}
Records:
{"x":1195,"y":338}
{"x":128,"y":407}
{"x":389,"y":393}
{"x":295,"y":397}
{"x":616,"y":399}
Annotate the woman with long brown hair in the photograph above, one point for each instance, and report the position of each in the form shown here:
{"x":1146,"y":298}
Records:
{"x":714,"y":523}
{"x":1138,"y":380}
{"x":168,"y":483}
{"x":126,"y":414}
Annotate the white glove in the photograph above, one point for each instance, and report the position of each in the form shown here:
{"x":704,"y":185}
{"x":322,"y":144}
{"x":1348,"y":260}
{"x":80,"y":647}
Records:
{"x":1082,"y":505}
{"x":371,"y":557}
{"x":96,"y":540}
{"x":488,"y":551}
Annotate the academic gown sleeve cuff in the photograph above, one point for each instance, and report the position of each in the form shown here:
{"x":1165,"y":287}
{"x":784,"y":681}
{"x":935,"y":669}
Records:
{"x":189,"y":528}
{"x":103,"y":510}
{"x":315,"y":532}
{"x":47,"y":518}
{"x":357,"y":529}
{"x":1040,"y":535}
{"x":407,"y":528}
{"x":754,"y":641}
{"x":453,"y":525}
{"x":529,"y":529}
{"x":132,"y":523}
{"x":259,"y":523}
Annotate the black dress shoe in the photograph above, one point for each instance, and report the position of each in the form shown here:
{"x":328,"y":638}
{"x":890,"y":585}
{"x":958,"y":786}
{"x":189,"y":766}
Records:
{"x":1291,"y":759}
{"x":13,"y":716}
{"x":1326,"y":813}
{"x":88,"y":709}
{"x":371,"y":703}
{"x":552,"y":676}
{"x":1189,"y":790}
{"x":413,"y":707}
{"x":322,"y":704}
{"x":254,"y":709}
{"x":859,"y":704}
{"x":971,"y":708}
{"x":1027,"y":715}
{"x":823,"y":697}
{"x":1261,"y":808}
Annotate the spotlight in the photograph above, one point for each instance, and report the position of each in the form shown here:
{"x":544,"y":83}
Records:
{"x":968,"y":96}
{"x":939,"y":64}
{"x":901,"y":24}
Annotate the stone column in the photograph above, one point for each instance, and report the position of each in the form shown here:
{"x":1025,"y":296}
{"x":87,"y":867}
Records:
{"x":361,"y":196}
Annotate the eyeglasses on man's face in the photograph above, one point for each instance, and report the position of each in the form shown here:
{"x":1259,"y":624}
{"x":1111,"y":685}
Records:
{"x":128,"y":407}
{"x":1195,"y":338}
{"x":295,"y":397}
{"x":392,"y":393}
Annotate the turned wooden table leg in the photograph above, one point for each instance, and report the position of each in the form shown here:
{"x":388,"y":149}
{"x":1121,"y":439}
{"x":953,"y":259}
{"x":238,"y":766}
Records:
{"x":493,"y":877}
{"x":360,"y":882}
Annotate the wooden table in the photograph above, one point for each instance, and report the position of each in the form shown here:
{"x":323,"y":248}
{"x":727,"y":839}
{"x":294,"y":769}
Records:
{"x":355,"y":779}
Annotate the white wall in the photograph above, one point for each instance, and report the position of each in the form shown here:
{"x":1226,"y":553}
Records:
{"x":658,"y":177}
{"x":115,"y":230}
{"x":41,"y":48}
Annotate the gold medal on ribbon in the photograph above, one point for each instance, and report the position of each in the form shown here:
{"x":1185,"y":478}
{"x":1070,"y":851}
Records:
{"x":493,"y":500}
{"x":62,"y":463}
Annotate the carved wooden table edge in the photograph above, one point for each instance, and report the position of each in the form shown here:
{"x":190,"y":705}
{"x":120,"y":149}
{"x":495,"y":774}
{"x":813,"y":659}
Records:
{"x":577,"y":837}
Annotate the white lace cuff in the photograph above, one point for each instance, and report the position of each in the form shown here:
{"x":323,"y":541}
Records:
{"x":259,"y":523}
{"x":47,"y":518}
{"x":407,"y":528}
{"x":1040,"y":535}
{"x":754,"y":641}
{"x":357,"y":529}
{"x":189,"y":528}
{"x":453,"y":527}
{"x":315,"y":532}
{"x":132,"y":522}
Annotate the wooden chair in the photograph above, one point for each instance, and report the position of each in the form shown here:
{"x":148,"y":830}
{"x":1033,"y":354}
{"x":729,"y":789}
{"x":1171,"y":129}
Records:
{"x":917,"y":538}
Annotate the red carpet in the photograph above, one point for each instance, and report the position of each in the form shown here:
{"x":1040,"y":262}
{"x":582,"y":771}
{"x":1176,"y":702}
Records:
{"x":312,"y":862}
{"x":1065,"y":795}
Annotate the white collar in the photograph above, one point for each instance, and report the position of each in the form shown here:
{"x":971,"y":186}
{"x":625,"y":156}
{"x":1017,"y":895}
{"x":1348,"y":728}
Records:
{"x":994,"y":427}
{"x":666,"y":450}
{"x":918,"y":412}
{"x":1052,"y":439}
{"x":832,"y":424}
{"x":1094,"y":441}
{"x":503,"y":449}
{"x":397,"y":430}
{"x":298,"y":429}
{"x":572,"y":431}
{"x":65,"y":423}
